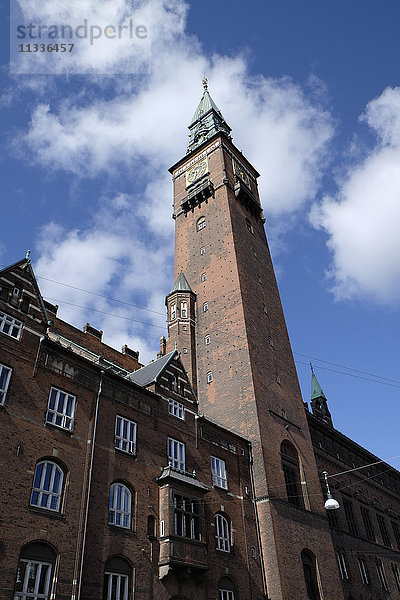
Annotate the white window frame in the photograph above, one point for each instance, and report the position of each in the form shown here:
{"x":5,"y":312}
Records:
{"x":223,"y":533}
{"x":207,"y":339}
{"x":205,"y":306}
{"x":119,"y":577}
{"x":202,"y":250}
{"x":363,"y":571}
{"x":226,"y":595}
{"x":382,"y":576}
{"x":176,"y":454}
{"x":125,"y":435}
{"x":35,"y":566}
{"x":62,"y":412}
{"x":201,"y":223}
{"x":176,"y":409}
{"x":184,"y":310}
{"x":344,"y":574}
{"x":173,"y":312}
{"x":47,"y":486}
{"x":10,"y":326}
{"x":203,"y":277}
{"x":218,"y":470}
{"x":5,"y":376}
{"x":210,"y":377}
{"x":120,"y":506}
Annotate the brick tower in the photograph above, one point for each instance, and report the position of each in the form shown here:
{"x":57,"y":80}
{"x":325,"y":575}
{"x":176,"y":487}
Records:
{"x":246,"y":378}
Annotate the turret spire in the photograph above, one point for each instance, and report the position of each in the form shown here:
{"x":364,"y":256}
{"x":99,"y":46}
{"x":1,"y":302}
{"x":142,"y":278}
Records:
{"x":319,"y":404}
{"x":207,"y":120}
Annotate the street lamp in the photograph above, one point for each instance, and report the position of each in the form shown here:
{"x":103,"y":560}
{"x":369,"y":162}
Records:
{"x":331,"y":503}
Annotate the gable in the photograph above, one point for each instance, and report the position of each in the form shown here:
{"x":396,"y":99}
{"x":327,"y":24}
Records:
{"x":20,"y":296}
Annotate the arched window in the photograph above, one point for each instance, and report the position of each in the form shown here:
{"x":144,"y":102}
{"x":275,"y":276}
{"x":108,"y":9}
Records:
{"x":291,"y":471}
{"x":120,"y":506}
{"x":35,"y":572}
{"x":47,"y":486}
{"x":173,"y":312}
{"x":201,"y":223}
{"x":184,"y":311}
{"x":310,"y":575}
{"x":117,"y":579}
{"x":222,"y":533}
{"x":226,"y":589}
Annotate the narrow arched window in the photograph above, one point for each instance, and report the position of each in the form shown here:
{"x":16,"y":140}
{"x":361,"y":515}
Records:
{"x":291,"y":472}
{"x":117,"y":579}
{"x":35,"y":572}
{"x":47,"y":486}
{"x":310,"y":575}
{"x":173,"y":312}
{"x":120,"y":506}
{"x":184,"y":310}
{"x":201,"y":223}
{"x":151,"y":527}
{"x":222,"y":533}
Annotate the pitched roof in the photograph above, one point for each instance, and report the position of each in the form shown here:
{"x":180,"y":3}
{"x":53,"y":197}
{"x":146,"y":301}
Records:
{"x":316,"y":390}
{"x":150,"y":372}
{"x":181,"y":284}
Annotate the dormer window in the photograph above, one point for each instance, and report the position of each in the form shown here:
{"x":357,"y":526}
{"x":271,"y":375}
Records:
{"x":201,"y":223}
{"x":184,"y":310}
{"x":173,"y":312}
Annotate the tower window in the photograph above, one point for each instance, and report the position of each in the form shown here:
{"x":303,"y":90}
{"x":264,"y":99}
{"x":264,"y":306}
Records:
{"x":277,"y":378}
{"x":205,"y":306}
{"x":201,"y":223}
{"x":207,"y":339}
{"x":249,"y":226}
{"x":173,"y":312}
{"x":209,"y":377}
{"x":184,"y":310}
{"x":202,"y":250}
{"x":185,"y":351}
{"x":203,"y":277}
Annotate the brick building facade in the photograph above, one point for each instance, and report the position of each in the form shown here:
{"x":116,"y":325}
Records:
{"x":199,"y":475}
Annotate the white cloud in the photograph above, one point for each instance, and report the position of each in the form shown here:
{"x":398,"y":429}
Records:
{"x":362,"y":220}
{"x":109,"y":260}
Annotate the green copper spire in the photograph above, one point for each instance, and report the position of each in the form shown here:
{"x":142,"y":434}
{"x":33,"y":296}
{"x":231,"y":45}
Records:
{"x":207,"y":121}
{"x":316,"y":390}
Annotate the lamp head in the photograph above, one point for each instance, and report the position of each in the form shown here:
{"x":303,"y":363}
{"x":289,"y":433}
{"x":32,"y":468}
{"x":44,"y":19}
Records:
{"x":331,"y":503}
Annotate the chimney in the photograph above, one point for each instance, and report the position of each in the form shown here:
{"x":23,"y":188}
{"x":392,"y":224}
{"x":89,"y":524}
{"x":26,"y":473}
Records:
{"x":126,"y":350}
{"x":97,"y":333}
{"x":163,"y":347}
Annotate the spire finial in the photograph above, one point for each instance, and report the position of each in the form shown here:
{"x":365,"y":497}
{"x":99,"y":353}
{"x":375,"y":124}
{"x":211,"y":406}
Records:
{"x":205,"y":82}
{"x":27,"y":256}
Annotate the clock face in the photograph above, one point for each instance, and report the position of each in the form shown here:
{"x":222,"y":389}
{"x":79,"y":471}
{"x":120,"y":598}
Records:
{"x":196,"y":172}
{"x":241,"y":173}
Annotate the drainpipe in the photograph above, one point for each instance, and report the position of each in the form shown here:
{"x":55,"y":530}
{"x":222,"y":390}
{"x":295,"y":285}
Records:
{"x":77,"y":594}
{"x":253,"y":498}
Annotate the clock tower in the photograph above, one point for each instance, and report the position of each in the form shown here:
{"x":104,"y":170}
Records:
{"x":246,"y":378}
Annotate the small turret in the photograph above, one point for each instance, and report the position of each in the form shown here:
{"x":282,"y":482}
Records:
{"x":319,"y":403}
{"x":181,"y":318}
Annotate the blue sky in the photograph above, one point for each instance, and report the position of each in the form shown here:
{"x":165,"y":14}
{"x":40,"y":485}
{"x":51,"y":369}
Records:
{"x":310,"y":91}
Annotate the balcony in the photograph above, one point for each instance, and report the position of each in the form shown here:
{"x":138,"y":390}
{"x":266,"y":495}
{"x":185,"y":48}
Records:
{"x":201,"y":193}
